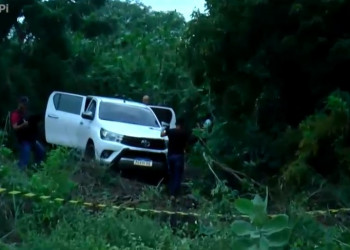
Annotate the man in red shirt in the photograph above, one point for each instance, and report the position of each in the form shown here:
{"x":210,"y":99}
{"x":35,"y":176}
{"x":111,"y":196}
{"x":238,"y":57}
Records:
{"x":25,"y":134}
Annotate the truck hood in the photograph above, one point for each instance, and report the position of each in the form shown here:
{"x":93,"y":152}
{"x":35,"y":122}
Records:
{"x":132,"y":129}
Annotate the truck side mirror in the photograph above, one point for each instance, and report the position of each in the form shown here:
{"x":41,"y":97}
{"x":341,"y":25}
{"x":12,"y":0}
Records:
{"x":87,"y":115}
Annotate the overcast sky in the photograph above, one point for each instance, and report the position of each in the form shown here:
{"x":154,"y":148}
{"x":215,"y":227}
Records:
{"x":185,"y":7}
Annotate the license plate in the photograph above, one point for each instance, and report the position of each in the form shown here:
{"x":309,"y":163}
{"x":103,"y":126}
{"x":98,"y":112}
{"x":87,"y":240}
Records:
{"x":143,"y":163}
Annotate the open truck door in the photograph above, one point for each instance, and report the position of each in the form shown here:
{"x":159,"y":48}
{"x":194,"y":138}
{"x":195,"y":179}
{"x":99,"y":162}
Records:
{"x":165,"y":115}
{"x":62,"y":118}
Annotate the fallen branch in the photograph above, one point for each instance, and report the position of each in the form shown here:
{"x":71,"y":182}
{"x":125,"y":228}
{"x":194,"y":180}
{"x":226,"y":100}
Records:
{"x":236,"y":173}
{"x":209,"y":163}
{"x":160,"y":182}
{"x":7,"y":235}
{"x":225,"y":168}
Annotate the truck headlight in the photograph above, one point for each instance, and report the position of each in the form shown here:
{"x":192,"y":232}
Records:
{"x":110,"y":136}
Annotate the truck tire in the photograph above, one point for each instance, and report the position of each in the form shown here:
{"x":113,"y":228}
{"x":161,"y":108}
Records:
{"x":89,"y":155}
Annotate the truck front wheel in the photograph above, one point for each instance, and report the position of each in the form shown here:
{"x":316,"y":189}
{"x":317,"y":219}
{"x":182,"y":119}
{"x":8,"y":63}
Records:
{"x":90,"y":152}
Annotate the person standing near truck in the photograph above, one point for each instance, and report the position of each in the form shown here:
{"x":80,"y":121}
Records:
{"x":145,"y":99}
{"x":26,"y":134}
{"x":178,"y":139}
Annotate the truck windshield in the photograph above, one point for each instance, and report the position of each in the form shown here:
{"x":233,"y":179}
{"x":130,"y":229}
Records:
{"x":109,"y":111}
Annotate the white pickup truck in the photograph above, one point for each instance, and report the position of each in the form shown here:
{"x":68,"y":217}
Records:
{"x":111,"y":131}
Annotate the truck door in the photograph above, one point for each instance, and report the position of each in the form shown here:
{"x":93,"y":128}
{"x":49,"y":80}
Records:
{"x":165,"y":115}
{"x":62,"y":117}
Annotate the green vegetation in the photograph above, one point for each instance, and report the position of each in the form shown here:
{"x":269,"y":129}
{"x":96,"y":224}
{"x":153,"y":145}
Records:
{"x":274,"y":74}
{"x":31,"y":223}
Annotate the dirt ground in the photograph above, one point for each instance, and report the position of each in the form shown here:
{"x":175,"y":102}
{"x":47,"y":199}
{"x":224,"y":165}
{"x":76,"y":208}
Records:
{"x":135,"y":189}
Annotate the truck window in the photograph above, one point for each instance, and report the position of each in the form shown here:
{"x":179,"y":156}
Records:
{"x":92,"y":107}
{"x":87,"y":102}
{"x":68,"y":103}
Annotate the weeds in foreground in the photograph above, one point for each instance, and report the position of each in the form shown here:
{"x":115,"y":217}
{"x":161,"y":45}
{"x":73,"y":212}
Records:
{"x":40,"y":225}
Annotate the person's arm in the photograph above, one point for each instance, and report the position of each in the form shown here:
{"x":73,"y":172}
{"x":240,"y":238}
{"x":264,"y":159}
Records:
{"x":15,"y":119}
{"x":16,"y":126}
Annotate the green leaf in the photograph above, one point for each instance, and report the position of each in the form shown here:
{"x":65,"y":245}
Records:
{"x":255,"y":235}
{"x":242,"y":228}
{"x":243,"y":244}
{"x":254,"y":247}
{"x":263,"y":243}
{"x":276,"y":224}
{"x":279,"y":239}
{"x":244,"y":206}
{"x":258,"y":201}
{"x":197,"y":132}
{"x":207,"y":230}
{"x":259,"y":218}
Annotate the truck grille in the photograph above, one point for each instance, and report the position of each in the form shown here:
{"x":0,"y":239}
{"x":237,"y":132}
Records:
{"x":144,"y":142}
{"x":127,"y":153}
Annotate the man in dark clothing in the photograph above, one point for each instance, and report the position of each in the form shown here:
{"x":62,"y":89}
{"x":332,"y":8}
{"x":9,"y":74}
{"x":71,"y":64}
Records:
{"x":26,"y":131}
{"x":178,"y":138}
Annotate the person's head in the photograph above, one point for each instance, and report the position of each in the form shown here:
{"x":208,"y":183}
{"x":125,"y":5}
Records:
{"x":208,"y":116}
{"x":145,"y":99}
{"x":23,"y":102}
{"x":180,"y":123}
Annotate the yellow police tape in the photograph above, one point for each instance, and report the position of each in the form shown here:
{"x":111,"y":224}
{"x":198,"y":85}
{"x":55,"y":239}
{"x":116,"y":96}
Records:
{"x":101,"y":205}
{"x":97,"y":205}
